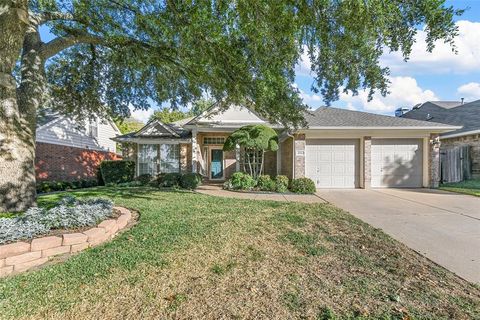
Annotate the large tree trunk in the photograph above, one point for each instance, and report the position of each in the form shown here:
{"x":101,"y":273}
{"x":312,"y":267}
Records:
{"x":17,"y":172}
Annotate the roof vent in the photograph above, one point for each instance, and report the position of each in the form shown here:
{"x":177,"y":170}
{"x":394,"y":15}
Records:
{"x":463,"y":99}
{"x":429,"y":117}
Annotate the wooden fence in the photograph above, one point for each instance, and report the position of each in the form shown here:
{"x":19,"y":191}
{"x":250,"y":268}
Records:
{"x":455,"y":164}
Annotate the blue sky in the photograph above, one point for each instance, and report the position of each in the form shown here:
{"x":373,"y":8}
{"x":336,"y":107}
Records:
{"x":440,"y":75}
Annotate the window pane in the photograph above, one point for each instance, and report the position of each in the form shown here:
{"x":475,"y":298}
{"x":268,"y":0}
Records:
{"x":147,"y":159}
{"x":169,"y":158}
{"x":213,"y":140}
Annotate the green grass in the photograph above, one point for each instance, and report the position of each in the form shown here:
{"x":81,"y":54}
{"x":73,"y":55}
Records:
{"x":196,"y":256}
{"x":471,"y":187}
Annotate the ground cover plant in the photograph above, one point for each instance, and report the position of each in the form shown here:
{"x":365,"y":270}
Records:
{"x":68,"y":212}
{"x":196,"y":256}
{"x":471,"y":187}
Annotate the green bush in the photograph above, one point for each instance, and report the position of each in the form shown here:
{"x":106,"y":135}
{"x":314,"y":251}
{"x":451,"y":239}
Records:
{"x":117,"y":171}
{"x":303,"y":185}
{"x":144,"y":179}
{"x":190,"y":181}
{"x":241,"y":181}
{"x":170,"y":180}
{"x":281,"y":184}
{"x":50,"y":186}
{"x":265,"y":183}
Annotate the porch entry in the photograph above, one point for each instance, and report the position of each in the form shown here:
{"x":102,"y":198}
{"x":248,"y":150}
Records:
{"x":216,"y":164}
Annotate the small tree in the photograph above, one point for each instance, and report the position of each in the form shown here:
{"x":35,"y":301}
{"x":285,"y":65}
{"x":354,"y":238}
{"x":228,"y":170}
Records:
{"x":255,"y":139}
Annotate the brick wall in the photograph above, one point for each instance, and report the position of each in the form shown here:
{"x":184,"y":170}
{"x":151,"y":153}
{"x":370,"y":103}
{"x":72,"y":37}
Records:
{"x":287,"y":158}
{"x":299,"y":156}
{"x":473,"y":141}
{"x":64,"y":163}
{"x":434,"y":161}
{"x":367,"y":162}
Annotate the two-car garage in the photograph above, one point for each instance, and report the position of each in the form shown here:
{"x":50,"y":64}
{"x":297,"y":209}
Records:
{"x":339,"y":163}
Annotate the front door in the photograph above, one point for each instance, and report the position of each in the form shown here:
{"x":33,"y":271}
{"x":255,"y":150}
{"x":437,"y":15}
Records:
{"x":216,"y":164}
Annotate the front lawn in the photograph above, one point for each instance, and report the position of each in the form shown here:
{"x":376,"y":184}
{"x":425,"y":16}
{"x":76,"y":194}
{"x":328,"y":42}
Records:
{"x":196,"y":256}
{"x":471,"y":187}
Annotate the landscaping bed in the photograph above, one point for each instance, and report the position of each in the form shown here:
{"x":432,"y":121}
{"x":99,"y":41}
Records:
{"x":195,"y":256}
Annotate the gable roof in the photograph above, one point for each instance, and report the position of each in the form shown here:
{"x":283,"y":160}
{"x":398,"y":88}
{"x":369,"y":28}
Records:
{"x":466,"y":115}
{"x":446,"y":104}
{"x":156,"y":129}
{"x":329,"y":117}
{"x":234,"y":115}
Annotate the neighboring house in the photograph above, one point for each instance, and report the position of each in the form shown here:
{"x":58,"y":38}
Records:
{"x":339,"y":149}
{"x":466,"y":115}
{"x":67,"y":150}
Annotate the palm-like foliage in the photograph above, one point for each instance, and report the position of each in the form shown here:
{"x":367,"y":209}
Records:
{"x":255,"y":140}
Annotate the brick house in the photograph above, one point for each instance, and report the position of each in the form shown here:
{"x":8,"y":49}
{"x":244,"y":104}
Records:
{"x":66,"y":150}
{"x":464,"y":115}
{"x":338,"y":149}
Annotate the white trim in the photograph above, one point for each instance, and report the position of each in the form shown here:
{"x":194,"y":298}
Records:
{"x":460,"y":134}
{"x":435,"y":129}
{"x":73,"y":146}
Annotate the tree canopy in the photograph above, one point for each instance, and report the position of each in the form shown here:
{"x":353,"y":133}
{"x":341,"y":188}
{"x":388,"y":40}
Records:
{"x":110,"y":55}
{"x":255,"y":136}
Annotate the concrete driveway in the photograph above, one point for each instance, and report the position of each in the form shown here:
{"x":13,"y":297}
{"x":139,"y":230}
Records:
{"x":443,"y":226}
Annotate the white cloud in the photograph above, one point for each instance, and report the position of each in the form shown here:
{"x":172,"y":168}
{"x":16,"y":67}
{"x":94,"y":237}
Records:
{"x":142,"y":115}
{"x":441,"y":59}
{"x":404,"y":91}
{"x":469,"y":91}
{"x":303,"y":66}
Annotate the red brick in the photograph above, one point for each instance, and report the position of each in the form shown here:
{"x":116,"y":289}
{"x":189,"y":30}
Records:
{"x":96,"y":235}
{"x":55,"y":251}
{"x":24,"y":257}
{"x":108,"y":225}
{"x":28,"y":265}
{"x":46,"y":243}
{"x":74,"y":238}
{"x":5,"y":271}
{"x":122,"y":221}
{"x":79,"y":247}
{"x":13,"y":249}
{"x":67,"y":163}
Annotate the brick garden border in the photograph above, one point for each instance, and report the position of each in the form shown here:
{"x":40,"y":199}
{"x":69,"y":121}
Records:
{"x":21,"y":256}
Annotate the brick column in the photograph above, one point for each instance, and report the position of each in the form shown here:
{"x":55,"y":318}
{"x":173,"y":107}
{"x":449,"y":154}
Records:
{"x":183,"y":158}
{"x":194,"y":151}
{"x":434,"y":161}
{"x":299,"y":156}
{"x":367,"y":162}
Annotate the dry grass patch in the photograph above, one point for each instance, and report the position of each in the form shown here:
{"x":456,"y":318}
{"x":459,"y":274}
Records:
{"x":195,"y":257}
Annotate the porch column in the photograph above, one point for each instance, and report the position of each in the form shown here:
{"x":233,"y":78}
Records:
{"x":194,"y":151}
{"x":237,"y":158}
{"x":299,"y":156}
{"x":279,"y":158}
{"x":367,"y":163}
{"x":434,"y":160}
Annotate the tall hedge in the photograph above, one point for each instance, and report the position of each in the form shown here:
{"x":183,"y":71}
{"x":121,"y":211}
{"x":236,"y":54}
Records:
{"x":117,"y":171}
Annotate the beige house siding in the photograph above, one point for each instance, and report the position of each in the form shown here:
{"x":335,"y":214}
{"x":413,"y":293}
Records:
{"x":473,"y":141}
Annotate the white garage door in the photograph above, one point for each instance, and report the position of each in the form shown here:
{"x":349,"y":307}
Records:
{"x":396,"y":163}
{"x":332,"y":163}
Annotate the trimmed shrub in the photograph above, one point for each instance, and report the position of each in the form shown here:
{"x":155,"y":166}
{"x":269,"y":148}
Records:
{"x":281,"y":184}
{"x":240,"y":181}
{"x":144,"y":179}
{"x":117,"y":171}
{"x":49,"y":186}
{"x":67,"y":213}
{"x":191,"y":181}
{"x":265,"y":183}
{"x":170,"y":180}
{"x":303,"y":185}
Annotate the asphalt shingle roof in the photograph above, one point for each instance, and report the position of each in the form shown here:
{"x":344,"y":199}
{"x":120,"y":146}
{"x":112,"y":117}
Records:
{"x":466,"y":115}
{"x":335,"y":117}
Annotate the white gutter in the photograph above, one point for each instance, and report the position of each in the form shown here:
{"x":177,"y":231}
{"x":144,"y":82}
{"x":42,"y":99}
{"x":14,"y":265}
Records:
{"x":448,"y":128}
{"x":460,"y":134}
